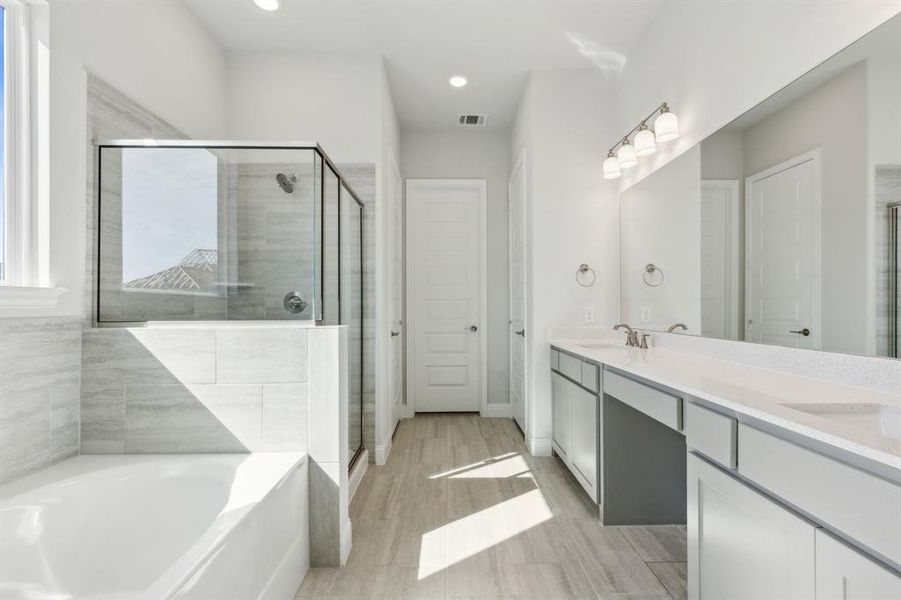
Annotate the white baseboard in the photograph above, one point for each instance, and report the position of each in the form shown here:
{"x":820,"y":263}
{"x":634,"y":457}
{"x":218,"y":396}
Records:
{"x":356,"y":476}
{"x":383,"y":450}
{"x":497,"y":410}
{"x":539,"y":446}
{"x":346,"y":542}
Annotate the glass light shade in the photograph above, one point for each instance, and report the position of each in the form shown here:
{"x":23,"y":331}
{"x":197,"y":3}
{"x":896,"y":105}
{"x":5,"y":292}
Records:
{"x":644,"y":143}
{"x":626,"y":156}
{"x":666,"y":127}
{"x":611,"y":168}
{"x":268,"y":5}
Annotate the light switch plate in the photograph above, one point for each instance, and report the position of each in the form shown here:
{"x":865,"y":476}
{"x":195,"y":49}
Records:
{"x":588,"y":314}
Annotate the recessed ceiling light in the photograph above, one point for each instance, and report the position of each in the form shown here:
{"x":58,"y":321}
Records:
{"x":457,"y":81}
{"x":269,"y":5}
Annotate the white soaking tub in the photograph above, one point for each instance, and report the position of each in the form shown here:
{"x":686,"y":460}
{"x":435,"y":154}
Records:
{"x":153,"y":527}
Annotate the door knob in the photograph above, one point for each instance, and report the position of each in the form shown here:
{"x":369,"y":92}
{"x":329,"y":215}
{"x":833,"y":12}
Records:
{"x":805,"y":332}
{"x":395,"y":333}
{"x":520,"y":333}
{"x":473,"y":328}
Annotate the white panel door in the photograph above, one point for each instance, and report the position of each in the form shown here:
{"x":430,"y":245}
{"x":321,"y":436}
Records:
{"x":741,"y":544}
{"x":396,"y":262}
{"x":444,"y":266}
{"x":517,"y":286}
{"x":782,"y":256}
{"x":719,"y":258}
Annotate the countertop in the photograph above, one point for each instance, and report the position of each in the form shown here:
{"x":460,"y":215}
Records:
{"x":753,"y":391}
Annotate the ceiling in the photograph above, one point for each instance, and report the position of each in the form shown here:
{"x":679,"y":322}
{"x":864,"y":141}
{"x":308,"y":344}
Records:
{"x":494,"y":43}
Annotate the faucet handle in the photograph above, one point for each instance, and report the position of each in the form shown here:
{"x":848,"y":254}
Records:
{"x":644,"y":340}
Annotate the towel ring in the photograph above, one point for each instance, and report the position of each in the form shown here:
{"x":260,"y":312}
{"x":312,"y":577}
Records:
{"x":583,"y":268}
{"x":649,"y":270}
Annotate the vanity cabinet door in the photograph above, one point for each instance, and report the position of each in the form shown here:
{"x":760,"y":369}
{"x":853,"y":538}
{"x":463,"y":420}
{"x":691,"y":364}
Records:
{"x":845,"y":574}
{"x":585,"y":439}
{"x":741,"y":544}
{"x":561,"y":398}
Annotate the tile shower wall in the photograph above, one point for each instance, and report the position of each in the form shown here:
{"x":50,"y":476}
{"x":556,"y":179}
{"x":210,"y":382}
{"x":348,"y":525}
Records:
{"x":113,"y":115}
{"x":40,"y":373}
{"x":170,"y":390}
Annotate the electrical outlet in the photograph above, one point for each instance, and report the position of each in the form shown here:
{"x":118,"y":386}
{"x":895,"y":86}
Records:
{"x":645,"y":314}
{"x":588,"y":314}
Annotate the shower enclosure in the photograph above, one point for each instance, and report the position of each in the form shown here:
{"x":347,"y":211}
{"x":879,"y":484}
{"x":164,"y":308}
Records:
{"x":230,"y":231}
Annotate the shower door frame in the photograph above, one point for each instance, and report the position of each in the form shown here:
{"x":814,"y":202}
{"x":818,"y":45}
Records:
{"x":318,"y":287}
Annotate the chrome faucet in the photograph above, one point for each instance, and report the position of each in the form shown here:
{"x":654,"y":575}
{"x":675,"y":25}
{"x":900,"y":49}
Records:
{"x":675,"y":326}
{"x":631,"y":335}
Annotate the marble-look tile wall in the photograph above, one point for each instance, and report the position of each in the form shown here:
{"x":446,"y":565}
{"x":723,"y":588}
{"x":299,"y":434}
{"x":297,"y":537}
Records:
{"x":186,"y":389}
{"x":40,"y":373}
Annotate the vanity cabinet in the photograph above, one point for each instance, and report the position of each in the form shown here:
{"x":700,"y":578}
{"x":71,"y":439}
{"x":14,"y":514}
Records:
{"x":842,"y":573}
{"x":741,"y":544}
{"x":561,"y":393}
{"x":575,"y":414}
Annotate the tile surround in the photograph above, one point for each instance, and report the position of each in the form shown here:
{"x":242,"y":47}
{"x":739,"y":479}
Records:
{"x":194,"y":389}
{"x":40,"y":375}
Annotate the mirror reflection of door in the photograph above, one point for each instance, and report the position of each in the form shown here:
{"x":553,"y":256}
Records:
{"x":782,"y":281}
{"x":720,"y":265}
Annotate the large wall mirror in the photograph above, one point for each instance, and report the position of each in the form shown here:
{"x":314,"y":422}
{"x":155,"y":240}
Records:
{"x":781,"y":228}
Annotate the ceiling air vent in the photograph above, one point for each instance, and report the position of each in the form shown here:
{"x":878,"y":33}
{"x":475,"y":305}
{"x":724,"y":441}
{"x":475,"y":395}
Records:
{"x":472,"y":120}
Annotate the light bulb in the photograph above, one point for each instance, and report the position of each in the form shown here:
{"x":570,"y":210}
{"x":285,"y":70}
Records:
{"x":611,"y":167}
{"x":626,"y":156}
{"x":666,"y":126}
{"x":457,"y":81}
{"x":644,"y":143}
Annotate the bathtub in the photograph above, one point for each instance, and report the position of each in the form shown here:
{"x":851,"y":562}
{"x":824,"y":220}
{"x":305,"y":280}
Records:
{"x":153,"y":527}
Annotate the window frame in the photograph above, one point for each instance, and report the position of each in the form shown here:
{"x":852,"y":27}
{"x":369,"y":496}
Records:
{"x":26,"y":157}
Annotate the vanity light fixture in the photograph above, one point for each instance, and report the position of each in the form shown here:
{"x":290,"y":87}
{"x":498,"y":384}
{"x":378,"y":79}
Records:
{"x":611,"y":166}
{"x":645,"y":144}
{"x":624,"y":154}
{"x":267,"y":5}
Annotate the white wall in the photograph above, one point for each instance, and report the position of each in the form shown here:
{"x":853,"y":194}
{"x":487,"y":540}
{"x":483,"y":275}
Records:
{"x":179,"y":76}
{"x":572,"y":217}
{"x":661,"y":224}
{"x":475,"y":155}
{"x":333,"y":100}
{"x":712,"y":61}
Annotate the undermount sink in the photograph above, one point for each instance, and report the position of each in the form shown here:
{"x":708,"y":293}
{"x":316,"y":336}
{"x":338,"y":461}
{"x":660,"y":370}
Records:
{"x":876,"y":418}
{"x":599,"y":345}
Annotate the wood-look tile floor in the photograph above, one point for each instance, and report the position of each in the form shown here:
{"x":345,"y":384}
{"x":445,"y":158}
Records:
{"x":461,"y":510}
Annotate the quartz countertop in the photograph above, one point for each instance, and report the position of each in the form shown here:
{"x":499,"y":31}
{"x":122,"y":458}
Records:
{"x":757,"y":392}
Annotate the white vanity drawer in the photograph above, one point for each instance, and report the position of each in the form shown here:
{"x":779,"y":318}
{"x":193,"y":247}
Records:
{"x":570,"y":366}
{"x":555,"y":359}
{"x":590,"y":376}
{"x":711,"y":434}
{"x":861,"y":505}
{"x":657,"y":404}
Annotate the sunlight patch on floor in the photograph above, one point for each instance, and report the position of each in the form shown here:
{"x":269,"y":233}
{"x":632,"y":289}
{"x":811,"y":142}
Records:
{"x":466,"y":537}
{"x":501,"y":466}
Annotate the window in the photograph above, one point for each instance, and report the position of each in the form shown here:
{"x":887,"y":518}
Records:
{"x":24,"y":141}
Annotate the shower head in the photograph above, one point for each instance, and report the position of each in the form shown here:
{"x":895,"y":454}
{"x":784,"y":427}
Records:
{"x":286,"y":182}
